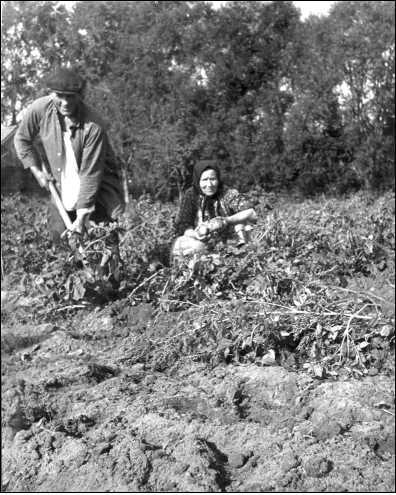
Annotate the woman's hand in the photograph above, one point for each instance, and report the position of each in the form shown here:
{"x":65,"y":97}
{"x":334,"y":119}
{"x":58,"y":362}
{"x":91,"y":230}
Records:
{"x":216,"y":224}
{"x":192,"y":233}
{"x":202,"y":232}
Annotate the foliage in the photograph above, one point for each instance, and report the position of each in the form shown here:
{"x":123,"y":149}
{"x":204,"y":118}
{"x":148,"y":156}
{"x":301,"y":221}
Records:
{"x":339,"y":123}
{"x":280,"y":102}
{"x":313,"y":289}
{"x":76,"y":270}
{"x":33,"y":39}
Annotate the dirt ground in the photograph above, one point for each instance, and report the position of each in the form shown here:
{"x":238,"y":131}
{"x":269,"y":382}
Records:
{"x":83,"y":410}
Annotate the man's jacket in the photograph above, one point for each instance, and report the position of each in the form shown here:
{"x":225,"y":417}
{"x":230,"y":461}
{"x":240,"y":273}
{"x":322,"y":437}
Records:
{"x":99,"y":169}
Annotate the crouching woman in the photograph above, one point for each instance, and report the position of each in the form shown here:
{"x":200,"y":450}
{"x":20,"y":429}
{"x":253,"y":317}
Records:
{"x":210,"y":212}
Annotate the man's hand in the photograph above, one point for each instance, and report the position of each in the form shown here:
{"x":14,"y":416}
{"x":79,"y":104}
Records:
{"x":41,"y":176}
{"x":80,"y":224}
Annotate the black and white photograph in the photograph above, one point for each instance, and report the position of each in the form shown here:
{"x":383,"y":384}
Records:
{"x":198,"y":246}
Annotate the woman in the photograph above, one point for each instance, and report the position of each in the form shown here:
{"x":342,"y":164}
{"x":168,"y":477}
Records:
{"x":210,"y":212}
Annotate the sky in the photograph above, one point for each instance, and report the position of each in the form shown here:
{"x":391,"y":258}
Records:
{"x":317,"y":8}
{"x":307,"y":8}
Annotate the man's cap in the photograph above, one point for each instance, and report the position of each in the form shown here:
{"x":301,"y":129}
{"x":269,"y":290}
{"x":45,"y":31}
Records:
{"x":65,"y":81}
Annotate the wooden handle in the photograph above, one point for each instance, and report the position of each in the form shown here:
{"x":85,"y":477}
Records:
{"x":59,"y":206}
{"x":58,"y":202}
{"x":125,"y":185}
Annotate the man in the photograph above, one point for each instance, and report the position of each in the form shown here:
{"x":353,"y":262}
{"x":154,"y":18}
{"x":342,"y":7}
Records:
{"x":81,"y":160}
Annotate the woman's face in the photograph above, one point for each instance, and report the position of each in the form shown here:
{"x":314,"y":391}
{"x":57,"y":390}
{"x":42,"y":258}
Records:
{"x":209,"y":182}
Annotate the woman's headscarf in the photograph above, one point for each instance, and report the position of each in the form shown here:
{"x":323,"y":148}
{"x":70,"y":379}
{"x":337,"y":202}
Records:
{"x":209,"y":204}
{"x":194,"y":201}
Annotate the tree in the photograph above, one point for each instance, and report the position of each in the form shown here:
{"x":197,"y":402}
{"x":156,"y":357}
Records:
{"x":242,"y":51}
{"x":131,"y":53}
{"x":364,"y":43}
{"x":343,"y":99}
{"x":278,"y":102}
{"x":34,"y":38}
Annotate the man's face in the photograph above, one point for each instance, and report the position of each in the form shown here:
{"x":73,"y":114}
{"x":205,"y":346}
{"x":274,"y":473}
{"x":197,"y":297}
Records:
{"x":66,"y":103}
